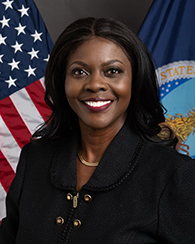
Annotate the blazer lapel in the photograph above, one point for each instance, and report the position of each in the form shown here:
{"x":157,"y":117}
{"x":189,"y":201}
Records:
{"x":118,"y":161}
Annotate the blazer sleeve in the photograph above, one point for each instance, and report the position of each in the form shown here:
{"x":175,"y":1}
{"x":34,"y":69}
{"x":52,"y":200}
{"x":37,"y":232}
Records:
{"x":177,"y":207}
{"x":9,"y":225}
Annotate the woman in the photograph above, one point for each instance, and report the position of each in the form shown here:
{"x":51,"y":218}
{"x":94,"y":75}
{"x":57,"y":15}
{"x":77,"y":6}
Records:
{"x":102,"y":169}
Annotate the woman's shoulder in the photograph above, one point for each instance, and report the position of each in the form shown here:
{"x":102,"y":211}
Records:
{"x":38,"y":153}
{"x":166,"y":155}
{"x":43,"y":146}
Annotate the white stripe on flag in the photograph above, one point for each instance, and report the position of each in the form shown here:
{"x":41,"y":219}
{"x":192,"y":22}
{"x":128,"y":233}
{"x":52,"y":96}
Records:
{"x":27,"y":111}
{"x":8,"y":145}
{"x":42,"y":81}
{"x":2,"y":202}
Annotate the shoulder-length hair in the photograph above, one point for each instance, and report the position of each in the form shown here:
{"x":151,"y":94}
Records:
{"x":145,"y":112}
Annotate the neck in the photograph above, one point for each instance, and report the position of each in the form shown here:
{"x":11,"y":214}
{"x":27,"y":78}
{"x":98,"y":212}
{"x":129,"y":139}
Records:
{"x":94,"y":142}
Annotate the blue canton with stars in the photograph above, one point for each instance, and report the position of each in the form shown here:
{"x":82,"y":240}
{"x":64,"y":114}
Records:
{"x":24,"y":45}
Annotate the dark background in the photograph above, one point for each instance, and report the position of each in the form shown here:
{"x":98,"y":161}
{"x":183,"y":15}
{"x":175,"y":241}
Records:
{"x":57,"y":14}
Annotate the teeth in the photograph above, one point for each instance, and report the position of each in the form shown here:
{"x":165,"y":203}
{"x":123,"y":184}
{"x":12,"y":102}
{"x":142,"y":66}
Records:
{"x":97,"y":104}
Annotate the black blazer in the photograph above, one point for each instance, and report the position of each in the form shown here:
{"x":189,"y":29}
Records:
{"x":140,"y":193}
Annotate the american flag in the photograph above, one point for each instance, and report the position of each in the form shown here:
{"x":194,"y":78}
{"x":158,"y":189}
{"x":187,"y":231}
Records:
{"x":24,"y":51}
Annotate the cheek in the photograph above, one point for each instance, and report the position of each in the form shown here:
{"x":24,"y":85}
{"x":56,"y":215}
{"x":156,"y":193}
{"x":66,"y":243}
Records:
{"x":70,"y":90}
{"x":123,"y":89}
{"x":124,"y":95}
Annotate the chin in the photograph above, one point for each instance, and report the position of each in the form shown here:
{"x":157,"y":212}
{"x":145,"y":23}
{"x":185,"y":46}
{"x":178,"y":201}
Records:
{"x":98,"y":126}
{"x":102,"y":122}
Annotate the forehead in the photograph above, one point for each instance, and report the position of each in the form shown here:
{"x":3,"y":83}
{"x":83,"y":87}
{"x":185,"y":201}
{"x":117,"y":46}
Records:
{"x":98,"y":49}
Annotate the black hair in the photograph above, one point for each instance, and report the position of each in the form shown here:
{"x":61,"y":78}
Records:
{"x":145,"y":112}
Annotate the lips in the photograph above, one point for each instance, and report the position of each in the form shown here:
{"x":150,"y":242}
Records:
{"x":95,"y":105}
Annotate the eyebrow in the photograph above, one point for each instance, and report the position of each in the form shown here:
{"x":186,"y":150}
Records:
{"x":79,"y":62}
{"x":104,"y":64}
{"x":112,"y":61}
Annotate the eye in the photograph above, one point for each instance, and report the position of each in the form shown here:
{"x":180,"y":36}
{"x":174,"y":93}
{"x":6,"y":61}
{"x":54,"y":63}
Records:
{"x":79,"y":72}
{"x":113,"y":71}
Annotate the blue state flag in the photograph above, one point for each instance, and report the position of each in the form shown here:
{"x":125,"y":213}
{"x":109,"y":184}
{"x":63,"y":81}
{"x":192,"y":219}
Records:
{"x":169,"y":33}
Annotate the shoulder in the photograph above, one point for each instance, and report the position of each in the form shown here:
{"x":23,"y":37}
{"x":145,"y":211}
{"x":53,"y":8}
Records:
{"x":39,"y":149}
{"x":177,"y":201}
{"x":164,"y":163}
{"x":36,"y":155}
{"x":178,"y":171}
{"x":167,"y":154}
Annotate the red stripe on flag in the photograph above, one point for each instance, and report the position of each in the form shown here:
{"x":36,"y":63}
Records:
{"x":6,"y":173}
{"x":14,"y":122}
{"x":37,"y":93}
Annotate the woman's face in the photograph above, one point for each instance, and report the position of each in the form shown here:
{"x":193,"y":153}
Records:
{"x":98,"y":84}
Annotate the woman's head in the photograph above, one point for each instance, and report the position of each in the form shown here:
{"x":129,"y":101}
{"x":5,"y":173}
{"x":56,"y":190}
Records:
{"x":98,"y":84}
{"x":144,"y":111}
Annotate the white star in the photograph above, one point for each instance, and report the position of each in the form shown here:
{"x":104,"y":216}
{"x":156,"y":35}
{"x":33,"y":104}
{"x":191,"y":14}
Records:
{"x":8,"y":4}
{"x":20,"y":29}
{"x":47,"y":59}
{"x":33,"y":53}
{"x":37,"y":36}
{"x":1,"y":58}
{"x":4,"y":22}
{"x":2,"y":39}
{"x":23,"y":11}
{"x":30,"y":71}
{"x":14,"y":64}
{"x":11,"y":82}
{"x":17,"y":47}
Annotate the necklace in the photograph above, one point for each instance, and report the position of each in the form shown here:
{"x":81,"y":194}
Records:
{"x":82,"y":160}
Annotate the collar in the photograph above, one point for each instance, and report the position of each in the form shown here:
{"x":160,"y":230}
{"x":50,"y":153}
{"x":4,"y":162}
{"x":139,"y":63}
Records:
{"x":116,"y":164}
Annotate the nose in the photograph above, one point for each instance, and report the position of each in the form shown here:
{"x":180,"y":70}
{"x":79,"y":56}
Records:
{"x":96,"y":82}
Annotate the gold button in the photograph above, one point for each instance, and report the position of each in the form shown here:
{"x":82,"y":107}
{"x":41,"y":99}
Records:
{"x":77,"y":223}
{"x":59,"y":221}
{"x":87,"y":198}
{"x":69,"y":197}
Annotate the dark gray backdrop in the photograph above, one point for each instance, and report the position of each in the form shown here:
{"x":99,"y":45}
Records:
{"x":57,"y":14}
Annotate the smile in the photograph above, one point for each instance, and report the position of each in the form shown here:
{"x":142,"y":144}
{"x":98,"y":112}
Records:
{"x":97,"y":104}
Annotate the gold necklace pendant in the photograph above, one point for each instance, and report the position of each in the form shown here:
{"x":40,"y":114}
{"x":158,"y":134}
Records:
{"x":82,"y":160}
